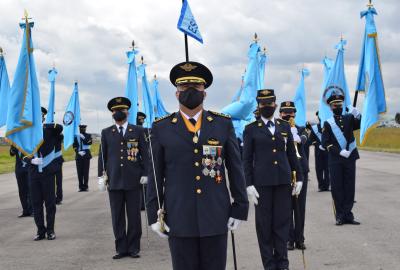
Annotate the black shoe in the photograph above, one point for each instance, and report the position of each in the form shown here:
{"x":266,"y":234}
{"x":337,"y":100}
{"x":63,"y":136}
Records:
{"x":290,"y":245}
{"x":300,"y":245}
{"x":58,"y":202}
{"x":51,"y":236}
{"x":119,"y":256}
{"x":134,"y":255}
{"x":39,"y":237}
{"x":80,"y":190}
{"x":353,"y":222}
{"x":339,"y":222}
{"x":25,"y":215}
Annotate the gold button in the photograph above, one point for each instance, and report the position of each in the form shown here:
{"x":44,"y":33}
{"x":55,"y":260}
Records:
{"x":198,"y":177}
{"x":122,"y":157}
{"x":196,"y":151}
{"x":274,"y":150}
{"x":122,"y":143}
{"x":196,"y":164}
{"x":122,"y":165}
{"x":122,"y":150}
{"x":275,"y":162}
{"x":273,"y":138}
{"x":198,"y":191}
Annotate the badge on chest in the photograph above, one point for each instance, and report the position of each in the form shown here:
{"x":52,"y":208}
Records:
{"x":212,"y":160}
{"x":132,"y":149}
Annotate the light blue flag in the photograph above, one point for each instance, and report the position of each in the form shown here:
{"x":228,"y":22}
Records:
{"x":300,"y":100}
{"x":72,"y":118}
{"x":4,"y":90}
{"x":159,"y":109}
{"x":147,"y":103}
{"x":324,"y":111}
{"x":187,"y":24}
{"x":131,"y":90}
{"x":370,"y":77}
{"x":238,"y":93}
{"x":50,"y":110}
{"x":24,"y":117}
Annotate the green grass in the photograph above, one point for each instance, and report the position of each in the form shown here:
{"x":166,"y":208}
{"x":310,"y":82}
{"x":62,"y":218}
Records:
{"x":381,"y":139}
{"x":7,"y":162}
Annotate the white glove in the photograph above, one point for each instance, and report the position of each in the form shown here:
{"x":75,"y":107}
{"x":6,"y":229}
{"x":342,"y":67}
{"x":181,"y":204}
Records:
{"x":321,"y":148}
{"x":102,"y":185}
{"x":253,"y":194}
{"x":143,"y":180}
{"x":233,"y":223}
{"x":297,"y":188}
{"x":295,"y":134}
{"x":156,"y":227}
{"x":82,"y":136}
{"x":344,"y":153}
{"x":37,"y":161}
{"x":354,"y":112}
{"x":82,"y":153}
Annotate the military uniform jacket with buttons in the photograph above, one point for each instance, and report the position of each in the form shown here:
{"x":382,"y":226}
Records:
{"x":58,"y":146}
{"x":313,"y":139}
{"x":347,"y":123}
{"x":124,"y":168}
{"x":51,"y":133}
{"x":77,"y":147}
{"x":20,"y":167}
{"x":196,"y":204}
{"x":269,"y":159}
{"x":302,"y":149}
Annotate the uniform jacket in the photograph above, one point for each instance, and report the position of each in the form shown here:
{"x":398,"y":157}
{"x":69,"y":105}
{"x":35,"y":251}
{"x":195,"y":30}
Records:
{"x":123,"y":172}
{"x":347,"y":123}
{"x":269,"y":159}
{"x":77,"y":147}
{"x":302,"y":149}
{"x":20,"y":166}
{"x":58,"y":146}
{"x":196,"y":204}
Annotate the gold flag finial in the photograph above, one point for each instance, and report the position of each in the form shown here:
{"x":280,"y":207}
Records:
{"x":25,"y":14}
{"x":370,"y":4}
{"x":155,"y":76}
{"x":265,"y":50}
{"x":1,"y":51}
{"x":133,"y":45}
{"x":256,"y":39}
{"x":142,"y":60}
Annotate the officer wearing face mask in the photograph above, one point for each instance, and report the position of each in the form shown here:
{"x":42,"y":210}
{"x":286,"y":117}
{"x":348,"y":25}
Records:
{"x":82,"y":157}
{"x":140,"y":121}
{"x":123,"y":158}
{"x":270,"y":164}
{"x":338,"y":139}
{"x":188,"y":200}
{"x":300,"y":136}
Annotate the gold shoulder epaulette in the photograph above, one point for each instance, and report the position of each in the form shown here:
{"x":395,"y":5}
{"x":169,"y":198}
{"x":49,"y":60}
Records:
{"x":162,"y":118}
{"x":220,"y":114}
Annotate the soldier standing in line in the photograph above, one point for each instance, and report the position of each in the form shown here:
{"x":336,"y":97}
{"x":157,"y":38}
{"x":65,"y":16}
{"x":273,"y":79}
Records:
{"x":82,"y":157}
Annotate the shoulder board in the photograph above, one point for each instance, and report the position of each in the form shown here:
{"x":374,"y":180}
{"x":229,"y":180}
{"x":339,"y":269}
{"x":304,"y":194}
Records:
{"x":252,"y":122}
{"x":164,"y":117}
{"x":220,"y":114}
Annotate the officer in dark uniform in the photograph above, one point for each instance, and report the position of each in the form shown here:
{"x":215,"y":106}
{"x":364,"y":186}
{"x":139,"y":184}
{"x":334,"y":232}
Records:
{"x":82,"y":157}
{"x":321,"y":156}
{"x":187,"y":196}
{"x":338,"y":139}
{"x":300,"y":136}
{"x":125,"y":154}
{"x":21,"y":173}
{"x":42,"y":168}
{"x":60,"y":161}
{"x":270,"y":166}
{"x":140,"y":121}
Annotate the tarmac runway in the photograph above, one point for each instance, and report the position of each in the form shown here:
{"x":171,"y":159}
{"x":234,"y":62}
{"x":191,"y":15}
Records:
{"x":85,"y":239}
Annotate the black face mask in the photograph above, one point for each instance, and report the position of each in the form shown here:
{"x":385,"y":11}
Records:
{"x":82,"y":131}
{"x":267,"y":111}
{"x":191,"y":98}
{"x":337,"y":111}
{"x":119,"y":116}
{"x":286,"y":117}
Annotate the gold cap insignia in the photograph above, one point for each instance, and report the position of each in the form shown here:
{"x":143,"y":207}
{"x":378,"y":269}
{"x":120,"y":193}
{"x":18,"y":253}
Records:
{"x":265,"y":92}
{"x":287,"y":103}
{"x":118,"y":100}
{"x":188,"y":67}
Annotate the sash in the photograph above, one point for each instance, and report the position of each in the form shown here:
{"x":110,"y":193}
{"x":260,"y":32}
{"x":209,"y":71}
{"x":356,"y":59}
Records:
{"x":58,"y":154}
{"x":337,"y":132}
{"x":317,"y":133}
{"x":85,"y":147}
{"x":46,"y":161}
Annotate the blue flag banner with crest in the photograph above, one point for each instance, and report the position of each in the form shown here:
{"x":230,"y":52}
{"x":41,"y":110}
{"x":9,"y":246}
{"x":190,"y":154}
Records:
{"x":187,"y":24}
{"x":370,"y":77}
{"x":24,"y":117}
{"x":300,"y":99}
{"x":324,"y":111}
{"x":50,"y":110}
{"x":159,"y":109}
{"x":147,"y":102}
{"x":72,"y":118}
{"x":131,"y":89}
{"x":4,"y":90}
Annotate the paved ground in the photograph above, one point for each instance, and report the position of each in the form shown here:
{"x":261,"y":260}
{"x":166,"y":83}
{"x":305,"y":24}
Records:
{"x":85,"y":239}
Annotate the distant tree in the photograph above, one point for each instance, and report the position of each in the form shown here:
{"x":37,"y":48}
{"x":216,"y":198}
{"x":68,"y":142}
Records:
{"x":397,"y":118}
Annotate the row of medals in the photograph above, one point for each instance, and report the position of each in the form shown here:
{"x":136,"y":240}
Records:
{"x":132,"y":151}
{"x":212,"y":162}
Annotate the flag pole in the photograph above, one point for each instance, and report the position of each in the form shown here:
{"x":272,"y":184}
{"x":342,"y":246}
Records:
{"x":186,"y":44}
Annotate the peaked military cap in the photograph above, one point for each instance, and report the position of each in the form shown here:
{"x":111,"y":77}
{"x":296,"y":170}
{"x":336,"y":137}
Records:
{"x":44,"y":111}
{"x":190,"y":72}
{"x":266,"y":95}
{"x":287,"y":106}
{"x":119,"y":103}
{"x":335,"y":97}
{"x":141,"y":115}
{"x":333,"y":94}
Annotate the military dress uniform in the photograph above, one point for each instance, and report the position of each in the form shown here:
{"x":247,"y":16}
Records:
{"x":21,"y":173}
{"x":321,"y":158}
{"x":125,"y":161}
{"x":42,"y":182}
{"x":139,"y":122}
{"x":269,"y":162}
{"x":60,"y":161}
{"x":190,"y":180}
{"x":83,"y":161}
{"x":338,"y":135}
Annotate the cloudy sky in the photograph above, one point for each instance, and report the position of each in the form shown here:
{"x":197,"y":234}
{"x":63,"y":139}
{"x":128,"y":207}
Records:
{"x":87,"y":41}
